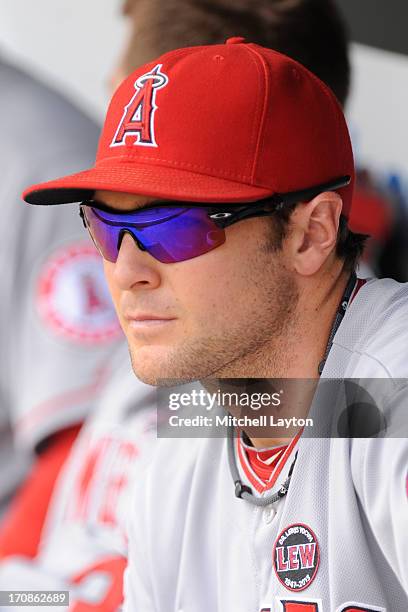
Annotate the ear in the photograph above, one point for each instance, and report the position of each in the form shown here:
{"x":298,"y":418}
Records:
{"x":314,"y":232}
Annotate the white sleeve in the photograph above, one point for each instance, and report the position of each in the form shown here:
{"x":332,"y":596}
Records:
{"x":138,"y":590}
{"x":380,"y":473}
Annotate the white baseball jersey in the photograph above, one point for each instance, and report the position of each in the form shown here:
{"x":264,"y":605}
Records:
{"x":84,"y":543}
{"x":336,"y":542}
{"x":57,"y":323}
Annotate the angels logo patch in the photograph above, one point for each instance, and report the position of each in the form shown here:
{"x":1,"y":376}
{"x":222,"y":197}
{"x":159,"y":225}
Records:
{"x":296,"y":557}
{"x":72,"y":296}
{"x":138,"y":118}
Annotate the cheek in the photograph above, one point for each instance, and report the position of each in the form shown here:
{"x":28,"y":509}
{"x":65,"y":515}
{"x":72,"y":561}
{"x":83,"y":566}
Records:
{"x":216,"y":286}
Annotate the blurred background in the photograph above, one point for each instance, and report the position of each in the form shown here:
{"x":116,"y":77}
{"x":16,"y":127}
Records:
{"x":70,"y":44}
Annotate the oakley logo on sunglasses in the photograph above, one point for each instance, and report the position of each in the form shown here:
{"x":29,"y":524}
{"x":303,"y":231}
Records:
{"x":138,"y":116}
{"x":221,"y":215}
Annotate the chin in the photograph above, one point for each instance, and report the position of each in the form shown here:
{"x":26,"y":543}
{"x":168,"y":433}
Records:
{"x":162,"y":366}
{"x":150,"y":364}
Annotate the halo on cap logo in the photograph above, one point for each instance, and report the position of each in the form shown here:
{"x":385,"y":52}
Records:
{"x":72,"y":296}
{"x":138,"y":118}
{"x":296,"y":557}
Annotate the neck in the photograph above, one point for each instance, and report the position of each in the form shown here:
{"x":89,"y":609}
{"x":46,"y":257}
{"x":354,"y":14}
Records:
{"x":296,"y":354}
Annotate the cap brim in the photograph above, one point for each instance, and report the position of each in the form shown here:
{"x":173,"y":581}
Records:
{"x":142,"y":179}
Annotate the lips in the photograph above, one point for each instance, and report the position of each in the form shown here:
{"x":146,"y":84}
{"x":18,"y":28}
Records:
{"x":147,"y":322}
{"x":142,"y":317}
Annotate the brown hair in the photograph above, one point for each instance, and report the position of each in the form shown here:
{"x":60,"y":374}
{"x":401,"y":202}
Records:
{"x":310,"y":31}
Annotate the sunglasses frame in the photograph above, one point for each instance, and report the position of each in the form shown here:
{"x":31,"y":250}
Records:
{"x":224,"y":214}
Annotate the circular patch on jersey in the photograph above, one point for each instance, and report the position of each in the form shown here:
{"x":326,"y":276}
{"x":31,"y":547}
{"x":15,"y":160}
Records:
{"x":73,"y":298}
{"x":296,"y":557}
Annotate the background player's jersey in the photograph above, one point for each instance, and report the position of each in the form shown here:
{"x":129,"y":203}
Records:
{"x":57,"y":323}
{"x":84,"y":543}
{"x":336,"y":542}
{"x":14,"y":464}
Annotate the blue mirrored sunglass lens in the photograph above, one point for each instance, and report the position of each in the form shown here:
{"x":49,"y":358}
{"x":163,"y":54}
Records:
{"x":105,"y":237}
{"x":170,"y":234}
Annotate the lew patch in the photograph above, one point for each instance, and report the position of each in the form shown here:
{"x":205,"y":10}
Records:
{"x":139,"y":115}
{"x":296,"y":557}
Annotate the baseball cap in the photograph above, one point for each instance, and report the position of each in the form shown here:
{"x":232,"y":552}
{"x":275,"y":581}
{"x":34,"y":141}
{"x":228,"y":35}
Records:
{"x":221,"y":123}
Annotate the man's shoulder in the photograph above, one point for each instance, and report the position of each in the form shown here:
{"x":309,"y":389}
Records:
{"x":381,"y":294}
{"x":375,"y":329}
{"x":385,"y":304}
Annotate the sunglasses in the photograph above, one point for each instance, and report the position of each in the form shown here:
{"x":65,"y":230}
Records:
{"x":174,"y":231}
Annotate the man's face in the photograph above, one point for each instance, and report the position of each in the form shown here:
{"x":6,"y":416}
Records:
{"x":210,"y":316}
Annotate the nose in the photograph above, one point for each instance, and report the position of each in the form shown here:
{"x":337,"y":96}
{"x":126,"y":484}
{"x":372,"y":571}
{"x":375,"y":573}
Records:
{"x":134,"y":267}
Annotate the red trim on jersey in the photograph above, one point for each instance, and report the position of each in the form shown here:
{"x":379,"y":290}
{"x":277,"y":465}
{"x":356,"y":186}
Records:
{"x":263,"y":461}
{"x":360,"y":282}
{"x":256,"y":480}
{"x":22,"y":526}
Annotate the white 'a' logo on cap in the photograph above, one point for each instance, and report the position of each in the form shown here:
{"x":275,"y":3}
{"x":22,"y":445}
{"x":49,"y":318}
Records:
{"x":138,"y":115}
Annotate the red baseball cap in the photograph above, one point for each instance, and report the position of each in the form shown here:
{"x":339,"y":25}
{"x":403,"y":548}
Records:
{"x":221,"y":123}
